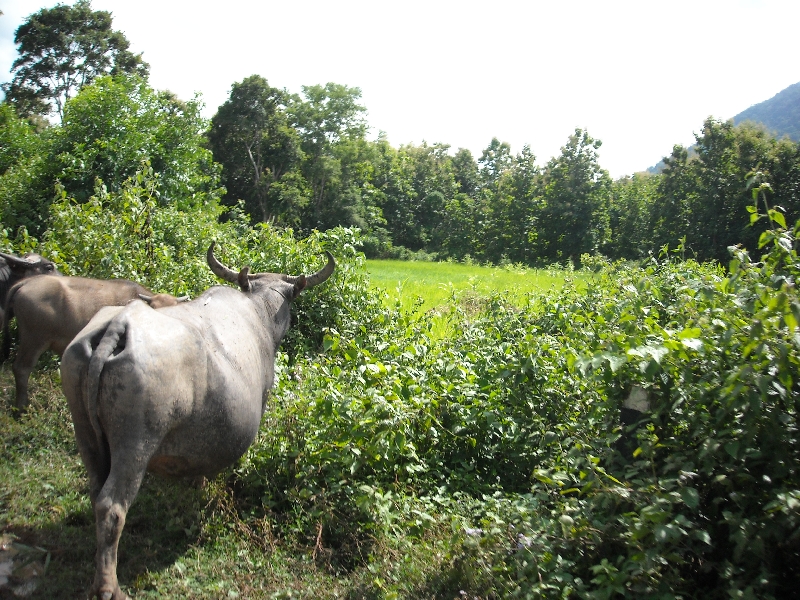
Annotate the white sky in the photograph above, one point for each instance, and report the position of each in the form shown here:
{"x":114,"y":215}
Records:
{"x":639,"y":75}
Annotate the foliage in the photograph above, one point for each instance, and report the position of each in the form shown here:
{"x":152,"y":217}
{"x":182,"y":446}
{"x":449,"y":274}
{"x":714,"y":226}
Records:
{"x":18,"y":139}
{"x":705,"y":199}
{"x":574,"y":219}
{"x":520,"y":427}
{"x":118,"y":122}
{"x":62,"y":49}
{"x":631,"y":206}
{"x":108,"y":130}
{"x":325,"y":117}
{"x":129,"y":234}
{"x":631,"y":434}
{"x":252,"y":139}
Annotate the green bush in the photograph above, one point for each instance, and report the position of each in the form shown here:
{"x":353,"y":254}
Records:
{"x":522,"y":413}
{"x":128,"y":234}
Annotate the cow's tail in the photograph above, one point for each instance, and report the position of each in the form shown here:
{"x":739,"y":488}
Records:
{"x":112,"y":342}
{"x":8,"y":314}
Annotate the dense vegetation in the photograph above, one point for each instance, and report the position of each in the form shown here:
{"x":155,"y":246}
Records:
{"x":634,"y":433}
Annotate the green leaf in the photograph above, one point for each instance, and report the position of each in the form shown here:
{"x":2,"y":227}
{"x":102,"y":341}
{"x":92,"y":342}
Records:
{"x":778,"y":217}
{"x":732,"y":448}
{"x":693,"y":343}
{"x":690,"y":497}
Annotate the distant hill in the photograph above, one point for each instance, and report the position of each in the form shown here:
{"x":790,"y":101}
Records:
{"x":780,"y":114}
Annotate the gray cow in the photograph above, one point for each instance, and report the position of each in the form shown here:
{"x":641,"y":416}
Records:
{"x":50,"y":311}
{"x":178,"y":391}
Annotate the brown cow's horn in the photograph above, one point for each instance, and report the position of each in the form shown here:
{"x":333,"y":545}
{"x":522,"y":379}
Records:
{"x":10,"y":258}
{"x":218,"y":268}
{"x":323,"y":273}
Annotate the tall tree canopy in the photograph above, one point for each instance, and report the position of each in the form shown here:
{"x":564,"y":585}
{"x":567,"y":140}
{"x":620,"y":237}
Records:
{"x":574,"y":219}
{"x":327,"y":116}
{"x":259,"y":150}
{"x":109,"y":129}
{"x":61,"y":49}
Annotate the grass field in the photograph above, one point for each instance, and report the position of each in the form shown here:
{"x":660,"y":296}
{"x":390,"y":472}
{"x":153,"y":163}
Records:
{"x":432,"y":285}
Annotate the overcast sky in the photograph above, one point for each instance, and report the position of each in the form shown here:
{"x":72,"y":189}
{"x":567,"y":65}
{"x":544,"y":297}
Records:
{"x":641,"y":76}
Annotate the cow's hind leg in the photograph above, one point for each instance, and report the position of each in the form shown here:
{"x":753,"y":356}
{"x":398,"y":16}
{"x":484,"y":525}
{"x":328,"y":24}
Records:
{"x":110,"y":509}
{"x":27,"y":356}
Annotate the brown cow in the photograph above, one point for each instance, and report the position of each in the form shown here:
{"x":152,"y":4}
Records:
{"x":50,"y":311}
{"x":15,"y":268}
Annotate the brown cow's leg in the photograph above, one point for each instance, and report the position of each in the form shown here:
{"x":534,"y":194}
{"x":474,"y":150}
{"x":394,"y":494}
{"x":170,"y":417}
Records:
{"x":27,"y":357}
{"x":110,"y":509}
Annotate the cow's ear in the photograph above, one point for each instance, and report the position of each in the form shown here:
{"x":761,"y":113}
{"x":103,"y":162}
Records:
{"x":299,"y":285}
{"x":244,"y":280}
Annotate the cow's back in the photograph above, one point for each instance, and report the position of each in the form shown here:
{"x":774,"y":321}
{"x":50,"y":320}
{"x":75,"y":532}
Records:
{"x":55,"y":309}
{"x":169,"y":379}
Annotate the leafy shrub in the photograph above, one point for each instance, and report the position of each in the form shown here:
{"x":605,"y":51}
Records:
{"x":704,"y":502}
{"x":523,"y":414}
{"x":128,"y":234}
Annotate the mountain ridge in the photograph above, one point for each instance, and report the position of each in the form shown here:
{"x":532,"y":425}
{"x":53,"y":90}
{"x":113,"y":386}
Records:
{"x":779,"y":114}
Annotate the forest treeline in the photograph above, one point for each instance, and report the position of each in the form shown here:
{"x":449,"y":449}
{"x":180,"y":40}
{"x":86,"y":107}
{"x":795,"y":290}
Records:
{"x":306,"y":162}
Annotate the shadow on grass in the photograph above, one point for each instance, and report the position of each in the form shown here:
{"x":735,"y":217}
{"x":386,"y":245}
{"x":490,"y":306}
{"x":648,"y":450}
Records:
{"x":164,"y":521}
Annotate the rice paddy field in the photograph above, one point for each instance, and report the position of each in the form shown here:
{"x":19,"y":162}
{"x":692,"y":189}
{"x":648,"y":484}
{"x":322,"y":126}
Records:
{"x":432,"y":285}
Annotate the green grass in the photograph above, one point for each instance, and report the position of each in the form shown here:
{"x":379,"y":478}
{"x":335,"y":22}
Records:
{"x":438,"y":287}
{"x":433,"y":284}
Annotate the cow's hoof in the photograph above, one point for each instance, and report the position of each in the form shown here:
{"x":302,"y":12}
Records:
{"x":117,"y":594}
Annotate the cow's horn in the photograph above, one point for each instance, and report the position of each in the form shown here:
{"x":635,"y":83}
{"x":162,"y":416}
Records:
{"x":323,"y":273}
{"x":243,"y":279}
{"x":218,"y":268}
{"x":26,"y":262}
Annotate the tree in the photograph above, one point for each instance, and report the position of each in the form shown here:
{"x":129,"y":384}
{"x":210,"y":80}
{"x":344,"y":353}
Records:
{"x":495,"y":160}
{"x":574,"y":219}
{"x":726,"y":154}
{"x":669,"y":216}
{"x":434,"y":186}
{"x":260,"y":151}
{"x":393,"y":179}
{"x":465,"y":170}
{"x":18,"y":139}
{"x":511,"y":203}
{"x":703,"y":196}
{"x":61,"y":50}
{"x":109,"y":129}
{"x":632,"y":200}
{"x":112,"y":126}
{"x":327,"y":116}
